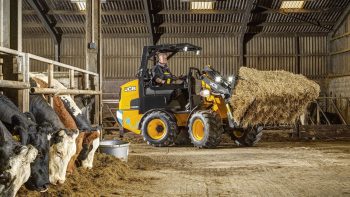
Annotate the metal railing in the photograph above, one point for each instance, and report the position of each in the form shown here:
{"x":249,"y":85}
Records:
{"x":23,"y":67}
{"x":326,"y":111}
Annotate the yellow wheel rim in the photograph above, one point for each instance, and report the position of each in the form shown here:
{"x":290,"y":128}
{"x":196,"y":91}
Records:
{"x":198,"y":129}
{"x":238,"y":133}
{"x":156,"y":129}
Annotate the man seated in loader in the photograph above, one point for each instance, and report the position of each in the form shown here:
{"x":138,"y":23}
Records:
{"x":162,"y":74}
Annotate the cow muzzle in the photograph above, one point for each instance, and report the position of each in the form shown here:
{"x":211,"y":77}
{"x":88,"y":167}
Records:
{"x":44,"y":188}
{"x":5,"y":178}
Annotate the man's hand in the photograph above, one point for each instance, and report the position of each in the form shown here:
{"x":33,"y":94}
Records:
{"x":161,"y":81}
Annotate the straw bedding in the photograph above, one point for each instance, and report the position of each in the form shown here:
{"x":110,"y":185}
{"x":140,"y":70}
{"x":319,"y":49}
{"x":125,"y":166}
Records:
{"x":271,"y":97}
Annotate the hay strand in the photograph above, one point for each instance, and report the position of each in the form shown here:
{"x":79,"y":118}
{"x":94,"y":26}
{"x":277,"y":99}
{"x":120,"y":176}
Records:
{"x":271,"y":97}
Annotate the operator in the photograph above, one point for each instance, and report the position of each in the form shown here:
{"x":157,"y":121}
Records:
{"x":162,"y":73}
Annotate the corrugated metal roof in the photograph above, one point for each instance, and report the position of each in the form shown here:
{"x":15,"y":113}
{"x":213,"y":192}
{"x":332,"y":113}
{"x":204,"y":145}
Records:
{"x":176,"y":17}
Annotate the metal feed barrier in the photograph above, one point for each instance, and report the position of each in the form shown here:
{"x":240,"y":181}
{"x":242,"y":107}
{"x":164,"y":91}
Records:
{"x":23,"y":61}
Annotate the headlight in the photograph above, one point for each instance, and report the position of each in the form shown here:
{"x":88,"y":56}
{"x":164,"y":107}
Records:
{"x":218,"y":79}
{"x":230,"y":79}
{"x":198,"y":52}
{"x":185,"y":48}
{"x":204,"y":93}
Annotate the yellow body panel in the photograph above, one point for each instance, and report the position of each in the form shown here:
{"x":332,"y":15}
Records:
{"x":218,"y":102}
{"x":131,"y":120}
{"x":130,"y":117}
{"x":129,"y":92}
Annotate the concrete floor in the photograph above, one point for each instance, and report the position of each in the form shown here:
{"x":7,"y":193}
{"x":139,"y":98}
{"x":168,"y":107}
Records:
{"x":270,"y":169}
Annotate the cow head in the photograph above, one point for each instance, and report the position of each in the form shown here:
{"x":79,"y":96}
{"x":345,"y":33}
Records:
{"x":15,"y":162}
{"x":62,"y":149}
{"x":90,"y":145}
{"x":39,"y":178}
{"x":79,"y":145}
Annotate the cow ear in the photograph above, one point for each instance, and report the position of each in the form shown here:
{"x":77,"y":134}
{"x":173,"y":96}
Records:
{"x":30,"y":116}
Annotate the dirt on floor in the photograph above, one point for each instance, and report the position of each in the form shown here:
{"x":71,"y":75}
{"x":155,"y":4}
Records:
{"x":270,"y":169}
{"x":316,"y":168}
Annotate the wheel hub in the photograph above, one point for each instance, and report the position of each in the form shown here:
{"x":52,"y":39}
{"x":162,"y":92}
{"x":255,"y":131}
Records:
{"x":198,"y":129}
{"x":156,"y":129}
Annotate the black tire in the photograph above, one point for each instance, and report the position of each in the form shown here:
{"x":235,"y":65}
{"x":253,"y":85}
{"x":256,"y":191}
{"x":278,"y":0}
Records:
{"x":249,"y":137}
{"x":212,"y":129}
{"x":166,"y":129}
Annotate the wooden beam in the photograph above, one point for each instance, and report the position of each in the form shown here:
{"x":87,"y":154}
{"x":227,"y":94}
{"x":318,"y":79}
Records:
{"x":244,"y":27}
{"x":150,"y":24}
{"x":165,"y":12}
{"x":202,"y":24}
{"x":48,"y":23}
{"x":83,"y":13}
{"x":234,"y":11}
{"x":311,"y":11}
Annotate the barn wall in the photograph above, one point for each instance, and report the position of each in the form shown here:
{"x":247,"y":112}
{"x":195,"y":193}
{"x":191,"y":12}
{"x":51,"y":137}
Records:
{"x":340,"y":60}
{"x":121,"y":56}
{"x":339,"y":84}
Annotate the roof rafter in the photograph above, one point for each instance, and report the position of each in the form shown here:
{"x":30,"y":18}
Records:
{"x":155,"y":36}
{"x":42,"y":13}
{"x":244,"y":28}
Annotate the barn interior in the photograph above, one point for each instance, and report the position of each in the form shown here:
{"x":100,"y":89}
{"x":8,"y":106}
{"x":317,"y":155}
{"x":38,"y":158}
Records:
{"x":77,"y":55}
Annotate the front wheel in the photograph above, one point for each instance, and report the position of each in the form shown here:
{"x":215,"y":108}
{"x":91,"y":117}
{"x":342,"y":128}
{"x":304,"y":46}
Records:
{"x":205,"y":129}
{"x":247,"y":137}
{"x":159,"y":129}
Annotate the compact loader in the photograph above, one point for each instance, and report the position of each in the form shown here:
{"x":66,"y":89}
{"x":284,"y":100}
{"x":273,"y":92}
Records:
{"x":160,"y":112}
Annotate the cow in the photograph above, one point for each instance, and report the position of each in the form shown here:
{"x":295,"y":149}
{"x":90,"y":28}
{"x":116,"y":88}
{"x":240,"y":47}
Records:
{"x":69,"y":123}
{"x":15,"y":160}
{"x":61,"y":152}
{"x":87,"y":154}
{"x":89,"y":147}
{"x":84,"y":141}
{"x":85,"y":103}
{"x":63,"y":146}
{"x":30,"y":133}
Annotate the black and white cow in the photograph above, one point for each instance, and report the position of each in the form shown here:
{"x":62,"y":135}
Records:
{"x":15,"y":163}
{"x":62,"y":145}
{"x":25,"y":126}
{"x":87,"y":154}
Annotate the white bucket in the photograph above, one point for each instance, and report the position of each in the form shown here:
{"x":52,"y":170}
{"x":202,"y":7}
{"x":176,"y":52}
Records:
{"x":116,"y":148}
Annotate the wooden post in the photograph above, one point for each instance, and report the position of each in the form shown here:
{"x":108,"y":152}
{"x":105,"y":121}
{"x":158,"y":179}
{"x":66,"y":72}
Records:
{"x":71,"y":79}
{"x":50,"y":80}
{"x":1,"y":74}
{"x":86,"y":81}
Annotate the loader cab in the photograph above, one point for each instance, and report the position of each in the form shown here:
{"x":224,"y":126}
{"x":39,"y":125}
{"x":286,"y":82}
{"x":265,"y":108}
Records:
{"x":171,"y":97}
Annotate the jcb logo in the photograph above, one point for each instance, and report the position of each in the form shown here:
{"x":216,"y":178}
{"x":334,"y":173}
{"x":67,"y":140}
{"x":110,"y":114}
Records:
{"x":130,"y":89}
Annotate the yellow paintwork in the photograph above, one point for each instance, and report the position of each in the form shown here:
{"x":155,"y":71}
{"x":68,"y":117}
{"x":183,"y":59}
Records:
{"x":131,"y":117}
{"x":198,"y":129}
{"x":217,"y":102}
{"x":181,"y":119}
{"x":131,"y":120}
{"x":152,"y":129}
{"x":129,"y":91}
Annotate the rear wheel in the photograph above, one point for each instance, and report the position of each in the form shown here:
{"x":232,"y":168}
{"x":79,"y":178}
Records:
{"x":205,"y":129}
{"x":159,"y":129}
{"x":247,"y":137}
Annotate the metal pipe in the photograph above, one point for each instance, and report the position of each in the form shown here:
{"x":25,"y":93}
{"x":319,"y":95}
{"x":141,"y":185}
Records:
{"x":14,"y":84}
{"x":55,"y":91}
